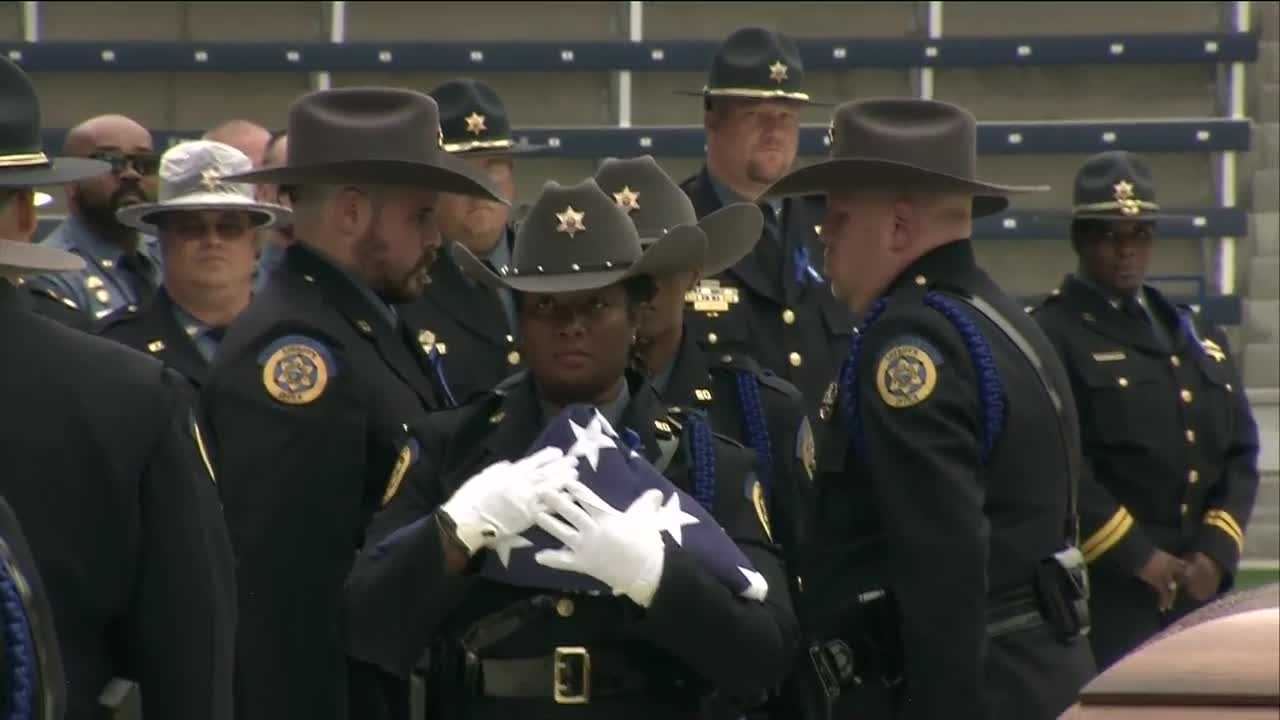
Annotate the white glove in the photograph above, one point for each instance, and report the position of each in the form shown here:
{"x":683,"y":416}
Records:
{"x":497,"y":504}
{"x":624,"y":550}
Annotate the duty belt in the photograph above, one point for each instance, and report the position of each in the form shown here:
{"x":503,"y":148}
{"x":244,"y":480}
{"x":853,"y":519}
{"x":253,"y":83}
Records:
{"x":1013,"y":611}
{"x":571,"y":675}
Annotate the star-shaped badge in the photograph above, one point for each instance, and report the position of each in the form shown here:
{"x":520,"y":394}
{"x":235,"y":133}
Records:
{"x":210,"y":178}
{"x":1124,"y":190}
{"x":778,"y":72}
{"x":475,"y":124}
{"x":627,"y":199}
{"x":571,"y":221}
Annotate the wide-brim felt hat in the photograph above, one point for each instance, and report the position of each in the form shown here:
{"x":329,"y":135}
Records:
{"x":657,"y":206}
{"x":193,"y":177}
{"x":23,"y":162}
{"x":474,"y":122}
{"x":756,"y":63}
{"x":1116,"y":185}
{"x":577,"y":238}
{"x":22,"y":258}
{"x":375,"y":136}
{"x":902,"y":144}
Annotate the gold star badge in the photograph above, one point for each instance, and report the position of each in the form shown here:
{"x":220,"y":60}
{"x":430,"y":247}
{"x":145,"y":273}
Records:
{"x":211,"y":179}
{"x":1124,"y":190}
{"x":627,"y":199}
{"x":571,"y":221}
{"x":778,"y":72}
{"x":475,"y":124}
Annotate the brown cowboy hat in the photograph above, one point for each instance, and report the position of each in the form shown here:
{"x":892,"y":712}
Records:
{"x":658,"y":207}
{"x":577,"y":238}
{"x":375,"y":135}
{"x":902,"y":143}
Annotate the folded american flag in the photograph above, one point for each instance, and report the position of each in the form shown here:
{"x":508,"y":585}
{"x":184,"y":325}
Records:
{"x":619,"y":474}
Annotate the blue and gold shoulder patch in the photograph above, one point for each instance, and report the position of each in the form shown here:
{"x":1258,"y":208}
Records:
{"x":408,"y":456}
{"x":296,"y":369}
{"x":907,"y":373}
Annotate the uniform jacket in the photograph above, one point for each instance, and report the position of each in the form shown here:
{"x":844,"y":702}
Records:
{"x":463,"y":321}
{"x":110,"y":478}
{"x":102,"y":286}
{"x":712,"y":383}
{"x":800,"y":331}
{"x":307,"y":401}
{"x":400,"y":600}
{"x":154,"y":330}
{"x":912,"y":498}
{"x":1167,"y":431}
{"x":44,"y":300}
{"x":42,"y":659}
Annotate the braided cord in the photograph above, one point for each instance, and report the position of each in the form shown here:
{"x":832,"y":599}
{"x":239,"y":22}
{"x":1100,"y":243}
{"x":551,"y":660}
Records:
{"x":19,"y":650}
{"x":704,"y":460}
{"x":849,"y":376}
{"x":754,"y":428}
{"x":990,"y":387}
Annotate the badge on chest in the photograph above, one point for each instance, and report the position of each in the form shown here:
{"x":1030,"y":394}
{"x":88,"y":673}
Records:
{"x":712,"y":298}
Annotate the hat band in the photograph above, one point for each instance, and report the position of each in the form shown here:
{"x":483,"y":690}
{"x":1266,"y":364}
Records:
{"x":24,"y":160}
{"x":574,"y":268}
{"x":477,"y":145}
{"x":754,"y":93}
{"x":1128,"y":208}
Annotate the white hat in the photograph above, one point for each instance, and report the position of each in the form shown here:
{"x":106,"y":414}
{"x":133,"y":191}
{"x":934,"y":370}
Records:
{"x":191,"y":179}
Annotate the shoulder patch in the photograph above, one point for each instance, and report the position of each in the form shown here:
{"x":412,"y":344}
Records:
{"x":806,"y":448}
{"x":408,"y":456}
{"x":296,"y":369}
{"x":906,"y":374}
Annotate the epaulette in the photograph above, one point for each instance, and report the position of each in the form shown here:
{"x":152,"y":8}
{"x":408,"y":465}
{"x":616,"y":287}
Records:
{"x":42,"y":289}
{"x":118,"y":317}
{"x":1054,"y":296}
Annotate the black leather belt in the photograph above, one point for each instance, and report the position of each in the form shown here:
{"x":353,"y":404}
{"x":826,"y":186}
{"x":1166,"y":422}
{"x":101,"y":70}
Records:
{"x":1012,"y":612}
{"x":571,"y":675}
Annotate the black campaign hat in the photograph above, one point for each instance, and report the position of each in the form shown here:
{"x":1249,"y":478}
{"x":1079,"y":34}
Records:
{"x":1115,"y":185}
{"x":474,"y":120}
{"x":576,"y":237}
{"x":23,"y":163}
{"x":756,"y":63}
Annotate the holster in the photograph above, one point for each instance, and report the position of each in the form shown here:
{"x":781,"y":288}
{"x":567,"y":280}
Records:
{"x":1062,"y":589}
{"x":864,"y":645}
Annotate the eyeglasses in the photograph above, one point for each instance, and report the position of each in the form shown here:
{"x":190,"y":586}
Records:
{"x":193,"y":229}
{"x":144,"y":163}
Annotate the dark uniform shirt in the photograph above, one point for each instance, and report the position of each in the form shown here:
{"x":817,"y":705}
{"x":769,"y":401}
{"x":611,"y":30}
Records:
{"x":307,"y":402}
{"x":111,"y":278}
{"x":1167,"y":432}
{"x":111,"y":479}
{"x":943,"y":476}
{"x":761,"y":411}
{"x":779,"y":310}
{"x":168,"y":333}
{"x":468,"y":325}
{"x":696,"y":635}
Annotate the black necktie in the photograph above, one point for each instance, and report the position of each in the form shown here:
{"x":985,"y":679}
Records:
{"x":137,"y":269}
{"x":770,"y":251}
{"x":216,"y":333}
{"x":1133,"y":308}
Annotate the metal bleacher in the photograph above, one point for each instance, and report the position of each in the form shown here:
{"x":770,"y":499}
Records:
{"x":1052,"y":82}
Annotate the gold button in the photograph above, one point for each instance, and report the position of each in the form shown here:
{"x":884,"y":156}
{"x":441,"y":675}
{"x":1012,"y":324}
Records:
{"x":1193,"y":477}
{"x":103,"y":296}
{"x":1186,"y":396}
{"x":1124,"y":382}
{"x":1175,"y":361}
{"x":564,"y":607}
{"x":513,"y":358}
{"x":442,"y":349}
{"x":789,"y":316}
{"x":1185,"y":508}
{"x":510,"y":339}
{"x":712,"y":338}
{"x":726,"y":358}
{"x":922,"y":280}
{"x":308,"y":278}
{"x":1228,"y":386}
{"x":1191,"y":437}
{"x":795,"y":359}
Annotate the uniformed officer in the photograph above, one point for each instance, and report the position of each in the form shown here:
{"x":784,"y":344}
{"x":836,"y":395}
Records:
{"x":32,"y":685}
{"x":1165,"y":422}
{"x":779,"y":307}
{"x":20,"y":142}
{"x":313,"y":384}
{"x":122,"y":267}
{"x":742,"y":401}
{"x":946,"y":515}
{"x":472,"y":327}
{"x":206,"y":227}
{"x":107,"y":469}
{"x":671,"y":633}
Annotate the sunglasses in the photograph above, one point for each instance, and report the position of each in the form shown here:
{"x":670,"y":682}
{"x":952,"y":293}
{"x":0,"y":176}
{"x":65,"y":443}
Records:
{"x":146,"y":164}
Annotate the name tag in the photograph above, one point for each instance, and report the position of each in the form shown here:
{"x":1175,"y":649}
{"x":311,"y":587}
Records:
{"x":1109,"y":356}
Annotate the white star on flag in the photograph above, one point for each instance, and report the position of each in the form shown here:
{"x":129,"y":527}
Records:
{"x":758,"y":588}
{"x":671,"y":518}
{"x":591,"y":439}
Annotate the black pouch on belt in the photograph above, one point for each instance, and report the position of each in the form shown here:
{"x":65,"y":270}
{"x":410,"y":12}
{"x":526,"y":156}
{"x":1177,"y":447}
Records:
{"x":1062,"y":589}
